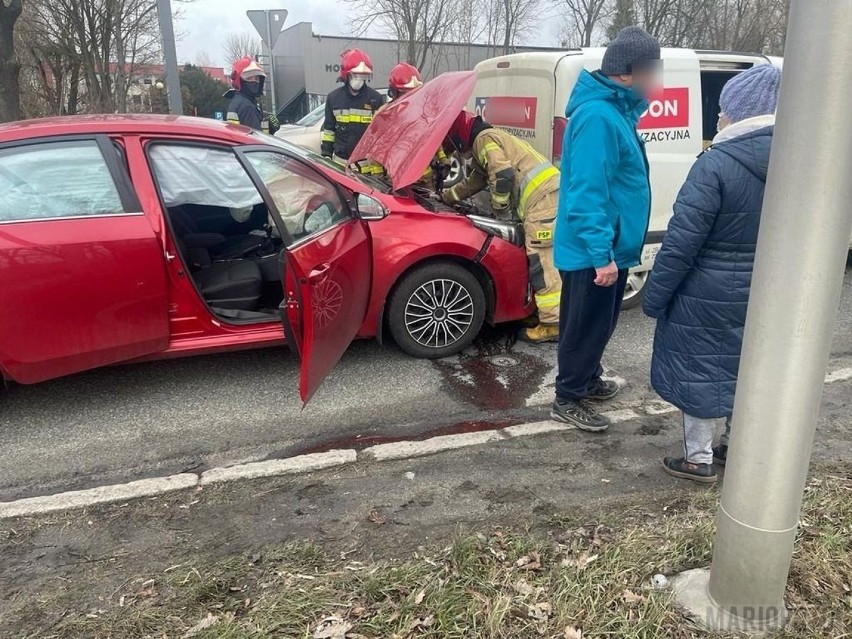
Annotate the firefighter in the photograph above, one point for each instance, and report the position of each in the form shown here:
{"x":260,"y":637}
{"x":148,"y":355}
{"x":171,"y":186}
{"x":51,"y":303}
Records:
{"x":521,"y":180}
{"x":405,"y":78}
{"x":247,"y":81}
{"x":349,"y":109}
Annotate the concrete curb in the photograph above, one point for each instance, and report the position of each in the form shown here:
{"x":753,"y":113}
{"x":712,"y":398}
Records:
{"x":319,"y":461}
{"x":293,"y":465}
{"x":101,"y":495}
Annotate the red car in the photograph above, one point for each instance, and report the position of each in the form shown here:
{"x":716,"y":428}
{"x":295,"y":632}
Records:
{"x":132,"y":237}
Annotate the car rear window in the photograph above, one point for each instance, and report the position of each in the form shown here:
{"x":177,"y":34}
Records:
{"x":62,"y":179}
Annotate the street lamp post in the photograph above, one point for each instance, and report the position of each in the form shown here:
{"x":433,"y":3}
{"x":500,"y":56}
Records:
{"x":167,"y":33}
{"x":795,"y":293}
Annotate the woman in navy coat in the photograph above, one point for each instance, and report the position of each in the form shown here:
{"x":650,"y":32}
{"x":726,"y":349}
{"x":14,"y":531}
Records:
{"x":699,"y":287}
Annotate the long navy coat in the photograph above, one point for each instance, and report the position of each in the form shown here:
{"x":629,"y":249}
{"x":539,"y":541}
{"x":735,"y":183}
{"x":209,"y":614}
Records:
{"x":699,"y":287}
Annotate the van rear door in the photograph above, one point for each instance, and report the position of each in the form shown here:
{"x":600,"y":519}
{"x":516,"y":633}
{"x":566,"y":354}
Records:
{"x":518,"y":93}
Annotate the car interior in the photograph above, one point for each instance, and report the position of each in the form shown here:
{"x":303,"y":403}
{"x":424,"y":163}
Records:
{"x":223,"y":230}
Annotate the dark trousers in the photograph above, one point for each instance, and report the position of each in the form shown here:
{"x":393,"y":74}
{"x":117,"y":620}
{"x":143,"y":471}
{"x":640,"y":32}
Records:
{"x":587,"y":318}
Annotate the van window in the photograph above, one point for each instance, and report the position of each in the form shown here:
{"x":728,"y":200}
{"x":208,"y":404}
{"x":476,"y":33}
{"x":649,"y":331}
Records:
{"x":711,"y":90}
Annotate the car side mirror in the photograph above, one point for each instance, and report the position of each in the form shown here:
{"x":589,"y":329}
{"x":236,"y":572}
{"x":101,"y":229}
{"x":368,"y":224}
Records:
{"x":369,"y":208}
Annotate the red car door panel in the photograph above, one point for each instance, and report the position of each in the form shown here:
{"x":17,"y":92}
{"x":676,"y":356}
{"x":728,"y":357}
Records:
{"x":326,"y":290}
{"x":79,"y":290}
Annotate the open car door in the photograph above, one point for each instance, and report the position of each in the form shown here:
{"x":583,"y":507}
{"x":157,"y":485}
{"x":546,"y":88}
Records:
{"x":326,"y":263}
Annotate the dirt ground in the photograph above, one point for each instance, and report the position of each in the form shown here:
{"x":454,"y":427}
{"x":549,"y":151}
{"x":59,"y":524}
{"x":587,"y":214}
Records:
{"x":82,"y":561}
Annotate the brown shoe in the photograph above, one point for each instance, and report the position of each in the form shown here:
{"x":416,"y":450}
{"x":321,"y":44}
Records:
{"x":540,"y":333}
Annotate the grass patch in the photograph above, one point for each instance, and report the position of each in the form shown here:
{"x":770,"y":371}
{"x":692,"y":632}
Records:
{"x":577,"y":576}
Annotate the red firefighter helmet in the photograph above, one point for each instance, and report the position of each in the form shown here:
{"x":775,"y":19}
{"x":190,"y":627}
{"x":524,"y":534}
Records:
{"x":461,"y":129}
{"x":355,"y":61}
{"x":245,"y":68}
{"x":403,"y":78}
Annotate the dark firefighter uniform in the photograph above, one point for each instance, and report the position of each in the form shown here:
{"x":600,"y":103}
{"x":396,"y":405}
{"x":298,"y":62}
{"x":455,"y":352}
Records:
{"x":519,"y":177}
{"x":244,"y":110}
{"x":347,"y":117}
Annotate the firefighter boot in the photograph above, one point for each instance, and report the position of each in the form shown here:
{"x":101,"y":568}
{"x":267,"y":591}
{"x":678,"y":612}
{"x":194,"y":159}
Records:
{"x":540,"y":333}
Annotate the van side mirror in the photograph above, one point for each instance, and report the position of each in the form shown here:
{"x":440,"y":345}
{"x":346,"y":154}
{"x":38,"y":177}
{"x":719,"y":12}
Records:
{"x":369,"y":208}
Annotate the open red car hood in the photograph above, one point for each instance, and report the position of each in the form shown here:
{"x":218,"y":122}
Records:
{"x":405,"y":136}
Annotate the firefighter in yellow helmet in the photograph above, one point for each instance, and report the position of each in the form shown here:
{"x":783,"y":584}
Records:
{"x":247,"y":82}
{"x":523,"y":180}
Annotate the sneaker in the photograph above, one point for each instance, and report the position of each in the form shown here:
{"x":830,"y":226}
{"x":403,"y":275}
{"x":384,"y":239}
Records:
{"x":720,"y":454}
{"x":602,"y":389}
{"x":679,"y":467}
{"x":540,"y":333}
{"x":580,"y":414}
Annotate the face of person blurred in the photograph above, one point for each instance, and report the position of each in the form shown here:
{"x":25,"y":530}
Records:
{"x":646,"y":80}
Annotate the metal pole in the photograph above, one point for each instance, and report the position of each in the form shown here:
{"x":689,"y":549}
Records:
{"x":795,"y":293}
{"x":271,"y":64}
{"x":167,"y":33}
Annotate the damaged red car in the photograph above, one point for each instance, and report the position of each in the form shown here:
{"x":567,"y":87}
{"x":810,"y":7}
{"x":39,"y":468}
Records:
{"x":133,"y":237}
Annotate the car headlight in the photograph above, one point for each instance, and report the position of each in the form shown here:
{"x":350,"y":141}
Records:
{"x":509,"y":231}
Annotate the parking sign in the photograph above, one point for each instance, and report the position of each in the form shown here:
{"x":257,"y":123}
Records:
{"x":219,"y":115}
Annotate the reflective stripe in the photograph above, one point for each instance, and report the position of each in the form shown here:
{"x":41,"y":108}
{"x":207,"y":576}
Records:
{"x":264,"y":126}
{"x":353,"y":116}
{"x":548,"y":300}
{"x":327,"y":136}
{"x":483,"y":155}
{"x":233,"y":117}
{"x":532,"y":180}
{"x":502,"y":199}
{"x":451,"y":195}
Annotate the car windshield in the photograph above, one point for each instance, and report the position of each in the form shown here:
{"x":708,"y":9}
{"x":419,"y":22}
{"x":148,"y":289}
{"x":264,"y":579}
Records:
{"x":313,"y":117}
{"x":373,"y":183}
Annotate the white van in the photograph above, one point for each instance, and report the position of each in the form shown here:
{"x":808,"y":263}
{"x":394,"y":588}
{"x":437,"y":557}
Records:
{"x":526,"y":93}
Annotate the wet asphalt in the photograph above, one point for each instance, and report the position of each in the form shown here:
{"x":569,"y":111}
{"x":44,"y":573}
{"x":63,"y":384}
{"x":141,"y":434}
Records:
{"x":151,"y":419}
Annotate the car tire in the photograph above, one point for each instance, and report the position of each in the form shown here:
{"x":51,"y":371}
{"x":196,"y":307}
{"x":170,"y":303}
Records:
{"x":458,"y":170}
{"x":436,"y":311}
{"x":635,"y":290}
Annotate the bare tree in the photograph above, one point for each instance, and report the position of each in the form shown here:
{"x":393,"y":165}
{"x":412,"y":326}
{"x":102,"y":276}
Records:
{"x":583,"y":20}
{"x":240,"y":45}
{"x":417,"y":24}
{"x":10,"y":67}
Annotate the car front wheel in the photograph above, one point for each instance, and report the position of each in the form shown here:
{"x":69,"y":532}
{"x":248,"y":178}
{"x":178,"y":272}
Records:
{"x":436,"y":310}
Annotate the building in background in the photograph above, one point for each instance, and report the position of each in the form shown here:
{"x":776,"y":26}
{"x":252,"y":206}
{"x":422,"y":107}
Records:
{"x":307,"y":65}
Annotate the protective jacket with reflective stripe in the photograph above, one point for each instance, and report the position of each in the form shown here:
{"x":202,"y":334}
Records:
{"x":243,"y":110}
{"x":517,"y":175}
{"x":347,"y":117}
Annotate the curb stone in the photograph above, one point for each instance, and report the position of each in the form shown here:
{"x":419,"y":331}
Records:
{"x":319,"y":461}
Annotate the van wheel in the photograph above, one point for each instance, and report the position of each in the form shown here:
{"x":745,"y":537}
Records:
{"x":436,"y":310}
{"x":635,"y":290}
{"x":457,"y":171}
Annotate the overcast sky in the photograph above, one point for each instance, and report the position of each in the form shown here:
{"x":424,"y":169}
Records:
{"x":205,"y":24}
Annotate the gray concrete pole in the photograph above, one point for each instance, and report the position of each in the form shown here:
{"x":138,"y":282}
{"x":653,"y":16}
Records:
{"x":268,"y":43}
{"x":795,"y":293}
{"x":167,"y":33}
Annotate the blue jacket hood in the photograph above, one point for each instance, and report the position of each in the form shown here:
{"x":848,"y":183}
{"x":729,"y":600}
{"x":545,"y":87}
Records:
{"x":751,"y":151}
{"x":596,"y":86}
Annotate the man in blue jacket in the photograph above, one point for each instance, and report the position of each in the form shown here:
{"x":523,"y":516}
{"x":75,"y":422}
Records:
{"x":604,"y":209}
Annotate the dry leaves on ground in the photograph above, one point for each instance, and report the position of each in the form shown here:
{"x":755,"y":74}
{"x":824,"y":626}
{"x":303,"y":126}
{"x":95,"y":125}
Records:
{"x":332,"y":627}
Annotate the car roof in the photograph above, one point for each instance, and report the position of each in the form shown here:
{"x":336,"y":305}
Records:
{"x":124,"y":124}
